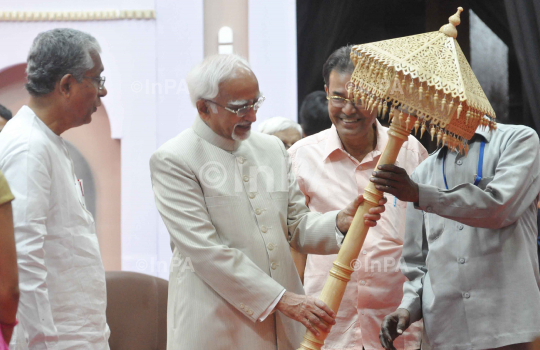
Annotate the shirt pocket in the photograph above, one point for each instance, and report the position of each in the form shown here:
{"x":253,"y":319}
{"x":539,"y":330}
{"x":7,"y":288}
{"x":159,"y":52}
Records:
{"x":391,"y":226}
{"x":73,"y":211}
{"x":279,"y":195}
{"x":434,"y":226}
{"x":394,"y":202}
{"x":280,"y":201}
{"x":227,"y":214}
{"x":217,"y":201}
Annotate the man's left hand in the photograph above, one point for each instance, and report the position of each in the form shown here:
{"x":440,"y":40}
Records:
{"x":346,"y":216}
{"x":393,"y":326}
{"x":394,"y":180}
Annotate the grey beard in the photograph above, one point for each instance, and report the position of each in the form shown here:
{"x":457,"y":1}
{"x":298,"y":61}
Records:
{"x":239,"y":138}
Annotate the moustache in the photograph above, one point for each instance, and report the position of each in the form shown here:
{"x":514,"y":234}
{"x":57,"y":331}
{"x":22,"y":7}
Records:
{"x":243,"y":124}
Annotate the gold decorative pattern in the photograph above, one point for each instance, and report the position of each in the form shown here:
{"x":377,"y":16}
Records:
{"x":427,"y":75}
{"x":55,"y":16}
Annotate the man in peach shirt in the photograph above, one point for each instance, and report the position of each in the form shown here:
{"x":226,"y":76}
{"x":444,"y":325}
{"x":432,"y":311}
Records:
{"x":332,"y":168}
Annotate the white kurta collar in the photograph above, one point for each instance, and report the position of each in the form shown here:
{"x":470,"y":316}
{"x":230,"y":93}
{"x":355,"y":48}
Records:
{"x":25,"y":110}
{"x":205,"y":132}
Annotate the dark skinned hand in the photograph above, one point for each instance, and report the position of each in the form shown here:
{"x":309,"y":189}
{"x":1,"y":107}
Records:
{"x":395,"y":180}
{"x":392,"y":327}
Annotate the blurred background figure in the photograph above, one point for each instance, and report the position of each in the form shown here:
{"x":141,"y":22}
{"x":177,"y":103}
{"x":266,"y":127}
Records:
{"x":9,"y":278}
{"x":314,"y":113}
{"x":5,"y":116}
{"x":284,"y":129}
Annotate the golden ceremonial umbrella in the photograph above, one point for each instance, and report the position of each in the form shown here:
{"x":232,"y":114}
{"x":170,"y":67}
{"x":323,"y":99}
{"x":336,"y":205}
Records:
{"x":426,"y":82}
{"x":429,"y":76}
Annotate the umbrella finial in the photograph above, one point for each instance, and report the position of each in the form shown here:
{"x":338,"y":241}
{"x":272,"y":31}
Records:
{"x":450,"y":28}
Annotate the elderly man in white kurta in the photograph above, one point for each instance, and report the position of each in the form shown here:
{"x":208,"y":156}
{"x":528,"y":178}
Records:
{"x":62,"y":280}
{"x":232,"y":206}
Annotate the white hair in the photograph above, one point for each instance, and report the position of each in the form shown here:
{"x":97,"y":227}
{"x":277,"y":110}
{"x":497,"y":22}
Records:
{"x":275,"y":124}
{"x":203,"y":80}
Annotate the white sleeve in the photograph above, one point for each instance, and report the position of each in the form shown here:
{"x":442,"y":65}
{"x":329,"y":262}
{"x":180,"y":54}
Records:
{"x":271,"y":308}
{"x":30,"y":182}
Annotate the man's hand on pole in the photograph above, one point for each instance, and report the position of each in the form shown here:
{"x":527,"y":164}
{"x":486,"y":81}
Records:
{"x":345,"y":216}
{"x":395,"y":180}
{"x":309,"y":311}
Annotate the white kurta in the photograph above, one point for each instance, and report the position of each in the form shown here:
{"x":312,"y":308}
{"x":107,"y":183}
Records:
{"x":61,"y":276}
{"x":233,"y":208}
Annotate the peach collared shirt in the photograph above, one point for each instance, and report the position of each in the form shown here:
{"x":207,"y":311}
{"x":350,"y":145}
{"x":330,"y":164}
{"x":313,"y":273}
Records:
{"x":330,"y":179}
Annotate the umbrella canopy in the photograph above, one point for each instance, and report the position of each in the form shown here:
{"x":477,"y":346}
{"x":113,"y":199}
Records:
{"x":426,"y":75}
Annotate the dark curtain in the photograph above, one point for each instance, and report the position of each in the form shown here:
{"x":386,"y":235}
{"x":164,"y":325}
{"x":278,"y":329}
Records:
{"x":493,"y":14}
{"x":324,"y":26}
{"x":524,"y":23}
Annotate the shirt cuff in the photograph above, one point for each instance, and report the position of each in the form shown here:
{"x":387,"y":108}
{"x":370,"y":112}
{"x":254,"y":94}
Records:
{"x":413,"y":305}
{"x":428,"y":198}
{"x":339,"y":237}
{"x":272,"y":306}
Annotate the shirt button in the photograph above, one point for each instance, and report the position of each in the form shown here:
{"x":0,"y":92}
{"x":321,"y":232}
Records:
{"x":462,"y":260}
{"x":258,"y":211}
{"x":459,"y":162}
{"x":241,"y":160}
{"x":242,"y":306}
{"x":364,"y":252}
{"x":466,"y":295}
{"x":460,"y":227}
{"x":246,"y":178}
{"x":429,"y":210}
{"x":252,"y":195}
{"x":363,"y":283}
{"x":264,"y":229}
{"x":271,"y":246}
{"x":250,"y":312}
{"x":273,"y":266}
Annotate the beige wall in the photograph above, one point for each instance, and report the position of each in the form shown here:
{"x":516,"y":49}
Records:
{"x":100,"y":151}
{"x":230,"y":13}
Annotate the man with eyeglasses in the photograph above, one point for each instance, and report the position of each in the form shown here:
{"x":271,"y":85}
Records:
{"x":231,"y":204}
{"x":332,"y":167}
{"x":62,"y":280}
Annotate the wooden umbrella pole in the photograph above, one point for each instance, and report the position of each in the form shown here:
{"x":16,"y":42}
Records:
{"x":342,"y":269}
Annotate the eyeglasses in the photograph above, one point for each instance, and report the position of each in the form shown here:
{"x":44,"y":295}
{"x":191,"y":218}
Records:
{"x":340,"y":102}
{"x":99,"y":80}
{"x":243,"y":111}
